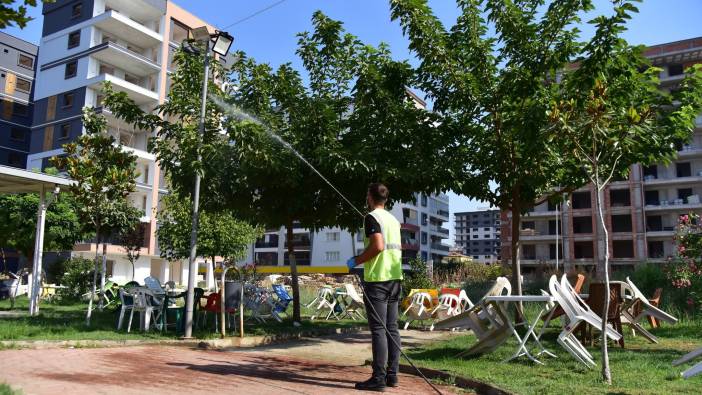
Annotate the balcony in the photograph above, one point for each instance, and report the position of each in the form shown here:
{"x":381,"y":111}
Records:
{"x":541,"y":214}
{"x":650,"y":180}
{"x":130,"y":30}
{"x":410,"y":227}
{"x":666,"y":234}
{"x":693,"y":202}
{"x":140,"y":94}
{"x":439,"y":247}
{"x":438,"y":229}
{"x":688,"y":151}
{"x":410,"y":245}
{"x":125,"y":59}
{"x":267,"y":244}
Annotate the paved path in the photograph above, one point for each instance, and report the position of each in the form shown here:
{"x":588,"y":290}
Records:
{"x":180,"y":370}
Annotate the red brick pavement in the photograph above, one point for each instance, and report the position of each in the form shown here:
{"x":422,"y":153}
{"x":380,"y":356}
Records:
{"x":180,"y":370}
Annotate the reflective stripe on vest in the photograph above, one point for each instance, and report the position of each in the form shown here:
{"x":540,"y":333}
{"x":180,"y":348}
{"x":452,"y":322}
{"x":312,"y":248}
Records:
{"x":387,"y":265}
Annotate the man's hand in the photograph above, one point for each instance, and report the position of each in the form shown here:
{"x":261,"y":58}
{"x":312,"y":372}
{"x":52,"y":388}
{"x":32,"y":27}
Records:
{"x":351,"y":263}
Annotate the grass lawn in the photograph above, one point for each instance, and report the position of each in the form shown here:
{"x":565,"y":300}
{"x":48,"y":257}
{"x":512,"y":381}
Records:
{"x":66,"y":321}
{"x":641,"y":368}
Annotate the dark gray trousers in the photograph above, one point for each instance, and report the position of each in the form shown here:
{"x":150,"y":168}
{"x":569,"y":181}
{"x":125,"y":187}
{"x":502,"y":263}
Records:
{"x":384,"y":298}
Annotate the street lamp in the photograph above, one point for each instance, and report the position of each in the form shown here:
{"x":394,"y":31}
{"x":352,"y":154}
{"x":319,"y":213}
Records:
{"x":222,"y":42}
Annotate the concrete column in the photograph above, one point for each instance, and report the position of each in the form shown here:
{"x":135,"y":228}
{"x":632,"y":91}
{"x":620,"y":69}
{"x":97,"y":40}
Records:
{"x":209,"y":275}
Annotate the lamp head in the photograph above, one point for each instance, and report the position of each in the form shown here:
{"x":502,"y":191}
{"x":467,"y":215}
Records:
{"x":222,"y":42}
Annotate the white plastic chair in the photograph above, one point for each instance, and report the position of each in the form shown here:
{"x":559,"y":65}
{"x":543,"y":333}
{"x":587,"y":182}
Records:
{"x":695,"y":369}
{"x":475,"y":316}
{"x":449,"y":306}
{"x":146,"y":304}
{"x":576,"y":312}
{"x":635,"y":297}
{"x":325,"y":301}
{"x":464,"y":300}
{"x":354,"y":303}
{"x":127,"y":299}
{"x":417,"y":309}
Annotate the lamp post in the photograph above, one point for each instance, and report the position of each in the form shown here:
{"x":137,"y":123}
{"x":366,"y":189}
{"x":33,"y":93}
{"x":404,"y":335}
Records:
{"x":222,"y":43}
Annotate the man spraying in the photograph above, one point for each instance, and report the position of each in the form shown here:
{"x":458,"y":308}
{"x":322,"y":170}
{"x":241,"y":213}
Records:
{"x":382,"y":274}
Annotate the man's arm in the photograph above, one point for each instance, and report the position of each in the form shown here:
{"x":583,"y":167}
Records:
{"x":376,"y":245}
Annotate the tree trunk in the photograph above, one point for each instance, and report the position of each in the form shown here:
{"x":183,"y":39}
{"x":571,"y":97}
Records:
{"x":4,"y":260}
{"x":293,"y":273}
{"x":516,"y":265}
{"x":103,"y":274}
{"x":606,"y":373}
{"x":92,"y":292}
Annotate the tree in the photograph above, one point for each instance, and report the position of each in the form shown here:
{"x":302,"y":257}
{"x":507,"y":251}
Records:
{"x":611,"y":114}
{"x":220,"y":234}
{"x":18,"y":222}
{"x":492,"y":91}
{"x":9,"y":15}
{"x":354,"y":122}
{"x":104,"y":175}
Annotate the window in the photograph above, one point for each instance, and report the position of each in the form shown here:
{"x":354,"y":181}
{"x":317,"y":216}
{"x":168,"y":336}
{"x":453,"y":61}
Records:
{"x":552,"y":227}
{"x":528,"y":225}
{"x":14,"y":159}
{"x":171,"y":55}
{"x":476,"y":257}
{"x":551,"y":206}
{"x":68,"y":100}
{"x":23,"y":85}
{"x":655,"y":249}
{"x":76,"y":11}
{"x":424,"y":200}
{"x":683,"y":169}
{"x":675,"y":69}
{"x":583,"y":250}
{"x":487,"y":256}
{"x":582,"y":224}
{"x":529,"y":251}
{"x":425,"y":220}
{"x":654,"y":223}
{"x":267,"y":258}
{"x":17,"y":134}
{"x":651,"y":198}
{"x":73,"y":39}
{"x":684,"y":193}
{"x":26,"y":61}
{"x":620,"y":198}
{"x":20,"y":110}
{"x":475,"y":236}
{"x":486,"y":229}
{"x":650,"y":172}
{"x":424,"y":237}
{"x":302,"y":258}
{"x":475,"y":229}
{"x":621,"y":223}
{"x":71,"y":69}
{"x":332,"y":236}
{"x":622,"y":249}
{"x":581,"y":200}
{"x":486,"y":236}
{"x":332,"y":256}
{"x":179,"y":32}
{"x":552,"y":251}
{"x":65,"y":131}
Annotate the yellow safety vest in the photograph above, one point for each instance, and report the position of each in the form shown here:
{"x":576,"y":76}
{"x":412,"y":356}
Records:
{"x":387,"y":265}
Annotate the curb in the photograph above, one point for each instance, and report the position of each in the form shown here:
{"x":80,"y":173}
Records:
{"x":479,"y":387}
{"x":229,"y":342}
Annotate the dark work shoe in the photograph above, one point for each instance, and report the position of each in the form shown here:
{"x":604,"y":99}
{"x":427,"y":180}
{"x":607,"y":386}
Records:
{"x":371,"y":385}
{"x":391,"y":381}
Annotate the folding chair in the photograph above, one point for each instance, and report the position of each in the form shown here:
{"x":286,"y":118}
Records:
{"x":283,"y":298}
{"x":418,"y":310}
{"x":638,"y":303}
{"x":325,"y":301}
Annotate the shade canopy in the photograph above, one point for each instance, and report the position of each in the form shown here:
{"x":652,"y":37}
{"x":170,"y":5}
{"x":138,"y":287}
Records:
{"x":13,"y":180}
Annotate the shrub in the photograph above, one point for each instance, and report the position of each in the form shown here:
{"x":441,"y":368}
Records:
{"x":76,"y":276}
{"x":417,"y":277}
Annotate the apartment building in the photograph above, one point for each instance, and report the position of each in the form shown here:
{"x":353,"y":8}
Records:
{"x":17,"y":69}
{"x":640,"y":212}
{"x":422,"y":228}
{"x":129,"y":43}
{"x":477,"y":234}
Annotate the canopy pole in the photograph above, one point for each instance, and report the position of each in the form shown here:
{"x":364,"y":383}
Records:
{"x":38,"y":254}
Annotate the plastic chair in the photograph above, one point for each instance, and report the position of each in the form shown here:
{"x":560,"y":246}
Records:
{"x":127,"y":299}
{"x":354,"y":303}
{"x":449,"y":306}
{"x":325,"y":301}
{"x":146,"y":303}
{"x":637,"y":307}
{"x":417,"y":310}
{"x":284,"y":298}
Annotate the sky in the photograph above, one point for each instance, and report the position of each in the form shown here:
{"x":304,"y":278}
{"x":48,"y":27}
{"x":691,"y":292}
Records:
{"x":271,"y":35}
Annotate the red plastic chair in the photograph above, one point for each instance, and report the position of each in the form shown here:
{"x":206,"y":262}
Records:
{"x":452,"y":291}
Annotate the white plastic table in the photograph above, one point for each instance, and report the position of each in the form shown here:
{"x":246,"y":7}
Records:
{"x":501,"y":302}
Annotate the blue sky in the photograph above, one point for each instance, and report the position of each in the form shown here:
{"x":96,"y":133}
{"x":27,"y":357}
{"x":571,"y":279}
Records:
{"x":270,"y":36}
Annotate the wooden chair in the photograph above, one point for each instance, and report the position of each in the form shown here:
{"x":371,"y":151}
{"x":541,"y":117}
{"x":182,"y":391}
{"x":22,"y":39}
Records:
{"x":654,"y":301}
{"x":596,"y":301}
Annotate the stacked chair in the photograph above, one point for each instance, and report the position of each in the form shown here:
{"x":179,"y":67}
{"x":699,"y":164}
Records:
{"x":354,"y":303}
{"x":695,"y":369}
{"x":325,"y":300}
{"x":449,"y":306}
{"x":637,"y":307}
{"x":419,"y":309}
{"x":576,"y":313}
{"x":487,"y":323}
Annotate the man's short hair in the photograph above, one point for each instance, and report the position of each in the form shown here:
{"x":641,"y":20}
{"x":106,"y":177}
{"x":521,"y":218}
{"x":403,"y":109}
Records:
{"x":379,"y":193}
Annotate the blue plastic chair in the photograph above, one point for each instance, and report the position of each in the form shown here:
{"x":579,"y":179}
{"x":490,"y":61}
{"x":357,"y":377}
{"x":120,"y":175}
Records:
{"x":284,"y":298}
